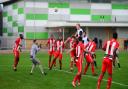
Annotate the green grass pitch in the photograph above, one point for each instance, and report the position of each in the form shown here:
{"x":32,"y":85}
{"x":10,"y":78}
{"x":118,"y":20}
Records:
{"x":56,"y":79}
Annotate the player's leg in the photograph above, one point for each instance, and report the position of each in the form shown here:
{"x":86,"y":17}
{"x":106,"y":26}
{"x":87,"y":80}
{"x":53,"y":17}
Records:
{"x":100,"y":79}
{"x":109,"y":69}
{"x":16,"y":60}
{"x":87,"y":63}
{"x":80,"y":72}
{"x":71,"y":63}
{"x":94,"y":57}
{"x":54,"y":59}
{"x":49,"y":61}
{"x":60,"y":61}
{"x":93,"y":69}
{"x":33,"y":66}
{"x":72,"y":56}
{"x":117,"y":60}
{"x":79,"y":79}
{"x":114,"y":64}
{"x":104,"y":66}
{"x":77,"y":75}
{"x":53,"y":62}
{"x":42,"y":69}
{"x":86,"y":67}
{"x":74,"y":80}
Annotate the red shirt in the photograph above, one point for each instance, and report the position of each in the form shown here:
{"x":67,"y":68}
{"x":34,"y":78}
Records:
{"x":61,"y":46}
{"x":74,"y":44}
{"x":110,"y":47}
{"x":79,"y":49}
{"x":91,"y":47}
{"x":17,"y":43}
{"x":51,"y":44}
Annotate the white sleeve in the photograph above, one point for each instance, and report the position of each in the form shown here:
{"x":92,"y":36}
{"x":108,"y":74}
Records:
{"x":37,"y":48}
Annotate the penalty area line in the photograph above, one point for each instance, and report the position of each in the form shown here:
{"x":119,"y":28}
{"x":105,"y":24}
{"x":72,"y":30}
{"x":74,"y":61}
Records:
{"x":92,"y":77}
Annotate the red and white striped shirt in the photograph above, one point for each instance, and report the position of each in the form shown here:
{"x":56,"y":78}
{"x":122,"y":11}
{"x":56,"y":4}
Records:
{"x":59,"y":46}
{"x":91,"y":47}
{"x":110,"y":47}
{"x":79,"y":50}
{"x":51,"y":44}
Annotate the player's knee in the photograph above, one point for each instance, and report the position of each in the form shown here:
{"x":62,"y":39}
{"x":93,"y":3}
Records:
{"x":110,"y":75}
{"x":88,"y":63}
{"x":79,"y":73}
{"x":102,"y":73}
{"x":72,"y":59}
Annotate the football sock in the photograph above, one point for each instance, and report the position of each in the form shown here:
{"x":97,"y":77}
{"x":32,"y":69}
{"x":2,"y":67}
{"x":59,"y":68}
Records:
{"x":79,"y":78}
{"x":60,"y":64}
{"x":119,"y":65}
{"x":99,"y":81}
{"x":86,"y":68}
{"x":33,"y":66}
{"x":92,"y":67}
{"x":95,"y":64}
{"x":75,"y":78}
{"x":71,"y":64}
{"x":109,"y":83}
{"x":41,"y":69}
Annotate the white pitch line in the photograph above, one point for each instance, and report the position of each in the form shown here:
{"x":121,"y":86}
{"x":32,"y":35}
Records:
{"x":74,"y":73}
{"x":93,"y":77}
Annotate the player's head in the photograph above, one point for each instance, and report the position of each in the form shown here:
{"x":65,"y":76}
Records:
{"x":21,"y":36}
{"x":60,"y":38}
{"x":80,"y":39}
{"x":94,"y":40}
{"x":77,"y":26}
{"x":84,"y":33}
{"x":73,"y":38}
{"x":52,"y":36}
{"x":90,"y":39}
{"x":34,"y":41}
{"x":115,"y":35}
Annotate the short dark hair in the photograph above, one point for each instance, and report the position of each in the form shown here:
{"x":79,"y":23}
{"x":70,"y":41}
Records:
{"x":115,"y":35}
{"x":34,"y":41}
{"x":73,"y":37}
{"x":21,"y":36}
{"x":80,"y":39}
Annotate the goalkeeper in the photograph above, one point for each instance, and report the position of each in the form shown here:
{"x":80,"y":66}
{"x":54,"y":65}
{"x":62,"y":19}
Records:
{"x":34,"y":49}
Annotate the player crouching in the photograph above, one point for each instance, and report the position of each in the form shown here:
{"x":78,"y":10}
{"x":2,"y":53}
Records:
{"x":34,"y":49}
